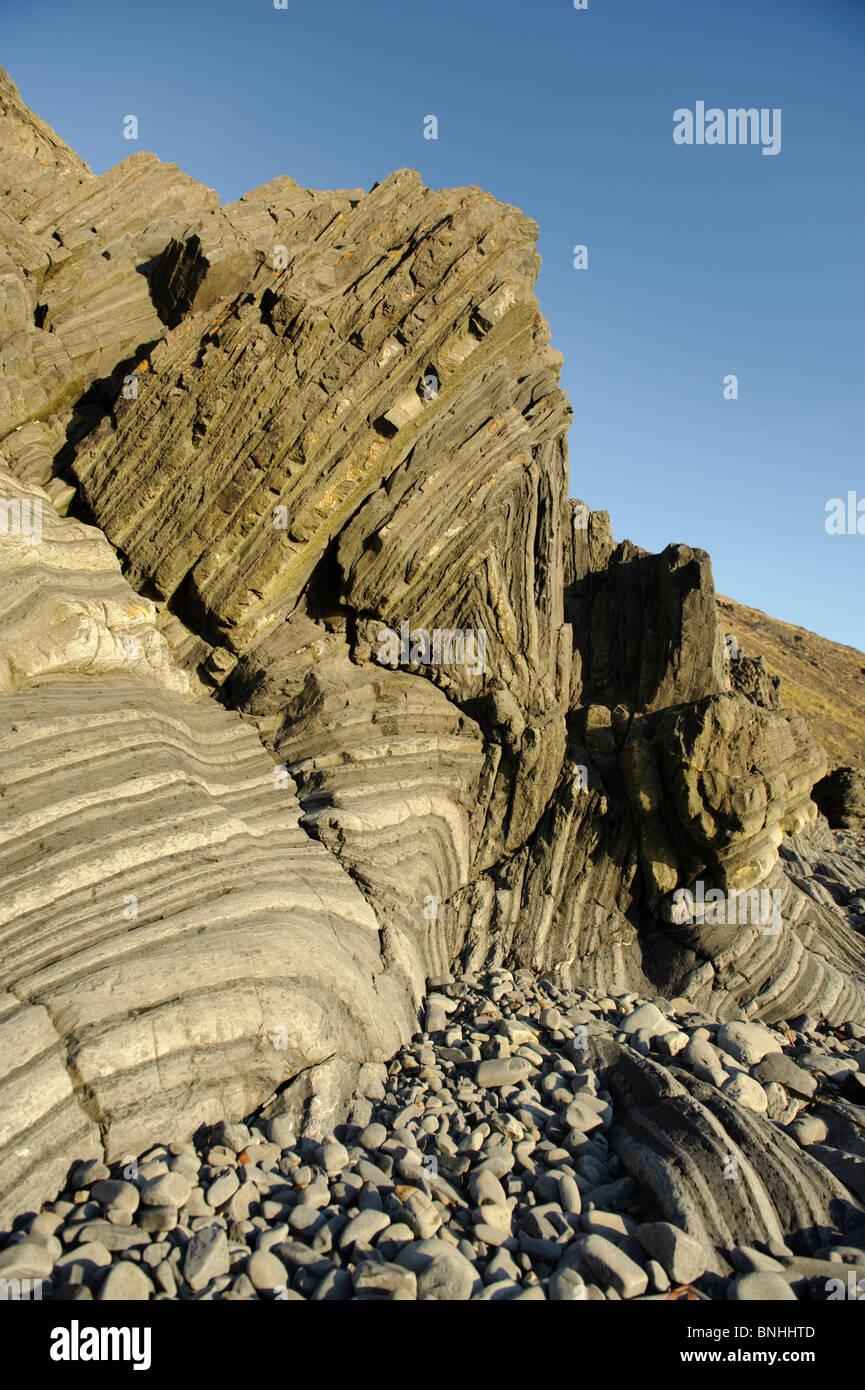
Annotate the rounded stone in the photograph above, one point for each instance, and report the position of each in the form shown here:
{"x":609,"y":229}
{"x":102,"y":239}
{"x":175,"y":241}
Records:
{"x":762,"y":1286}
{"x":567,"y":1286}
{"x":233,"y":1136}
{"x":648,"y":1017}
{"x":503,"y":1071}
{"x":372,"y":1137}
{"x":778,"y":1067}
{"x":126,"y":1282}
{"x":332,"y":1157}
{"x":113,"y":1192}
{"x":27,"y":1259}
{"x":613,"y":1267}
{"x":744,"y":1090}
{"x":443,"y":1274}
{"x":223,"y":1187}
{"x":168,"y":1190}
{"x":156,"y":1218}
{"x":87,"y":1171}
{"x":552,"y":1020}
{"x":747,"y":1042}
{"x":305,"y":1220}
{"x":363,"y":1228}
{"x":207,"y":1257}
{"x":266,"y":1272}
{"x":681,"y":1256}
{"x":809,"y":1129}
{"x":569,"y":1195}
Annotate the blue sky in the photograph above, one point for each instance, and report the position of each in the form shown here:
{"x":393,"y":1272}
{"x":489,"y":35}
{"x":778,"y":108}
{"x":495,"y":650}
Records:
{"x":702,"y":261}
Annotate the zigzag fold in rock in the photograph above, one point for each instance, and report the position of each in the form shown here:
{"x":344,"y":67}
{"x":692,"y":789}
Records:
{"x":319,"y":429}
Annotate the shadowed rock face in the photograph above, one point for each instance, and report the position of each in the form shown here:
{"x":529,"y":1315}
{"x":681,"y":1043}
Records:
{"x":325,"y":435}
{"x":841,"y":798}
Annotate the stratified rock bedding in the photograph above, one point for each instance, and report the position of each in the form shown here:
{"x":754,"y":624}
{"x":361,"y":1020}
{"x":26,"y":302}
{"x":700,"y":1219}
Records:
{"x":371,"y":700}
{"x":163,"y":914}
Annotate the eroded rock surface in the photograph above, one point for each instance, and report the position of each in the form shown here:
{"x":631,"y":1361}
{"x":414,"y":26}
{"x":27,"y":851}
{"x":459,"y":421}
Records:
{"x":324,"y":434}
{"x":173,"y":945}
{"x":841,"y":797}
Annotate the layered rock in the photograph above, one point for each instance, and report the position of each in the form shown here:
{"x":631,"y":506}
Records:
{"x":77,"y":305}
{"x":715,"y":1168}
{"x":325,"y":435}
{"x":173,"y":944}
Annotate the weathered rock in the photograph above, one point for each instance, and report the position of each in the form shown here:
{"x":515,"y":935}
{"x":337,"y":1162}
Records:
{"x":720,"y":1172}
{"x":326,"y":434}
{"x":506,"y":1072}
{"x":126,"y":1282}
{"x":746,"y":1091}
{"x":777,"y":1067}
{"x":683,"y":1258}
{"x":443,"y":1274}
{"x":612,"y":1266}
{"x":170,"y":860}
{"x":206,"y":1257}
{"x":747,"y":1042}
{"x":840,"y":795}
{"x":266,"y":1272}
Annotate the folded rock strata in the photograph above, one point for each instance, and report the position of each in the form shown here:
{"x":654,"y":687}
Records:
{"x":323,"y":431}
{"x":715,"y":1168}
{"x":173,"y":944}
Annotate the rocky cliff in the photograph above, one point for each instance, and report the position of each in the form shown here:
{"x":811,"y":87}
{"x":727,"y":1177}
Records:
{"x":822,"y":680}
{"x":315,"y":682}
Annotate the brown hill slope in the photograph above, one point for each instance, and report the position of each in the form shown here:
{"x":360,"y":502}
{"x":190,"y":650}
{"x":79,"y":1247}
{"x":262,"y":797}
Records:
{"x":821,"y":680}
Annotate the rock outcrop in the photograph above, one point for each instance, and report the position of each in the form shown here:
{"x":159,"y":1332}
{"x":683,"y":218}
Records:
{"x":822,"y":680}
{"x":841,"y":798}
{"x":173,"y":944}
{"x":324,"y":434}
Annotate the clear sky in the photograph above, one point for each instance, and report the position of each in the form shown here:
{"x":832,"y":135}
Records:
{"x":703,"y":261}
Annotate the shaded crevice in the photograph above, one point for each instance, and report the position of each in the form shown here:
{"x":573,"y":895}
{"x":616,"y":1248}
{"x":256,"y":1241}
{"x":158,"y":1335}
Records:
{"x":81,"y":1090}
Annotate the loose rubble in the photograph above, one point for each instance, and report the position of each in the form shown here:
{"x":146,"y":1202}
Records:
{"x":481,"y":1164}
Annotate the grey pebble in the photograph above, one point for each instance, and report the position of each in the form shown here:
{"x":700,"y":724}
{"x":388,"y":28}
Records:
{"x":442,"y":1273}
{"x":166,"y":1190}
{"x":223,"y":1187}
{"x":613,"y":1267}
{"x":363,"y":1229}
{"x":680,"y":1255}
{"x":762,"y":1286}
{"x":265,"y":1271}
{"x":206,"y":1257}
{"x":126,"y":1282}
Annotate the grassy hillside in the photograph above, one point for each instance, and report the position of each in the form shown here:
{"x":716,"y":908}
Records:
{"x":824,"y":681}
